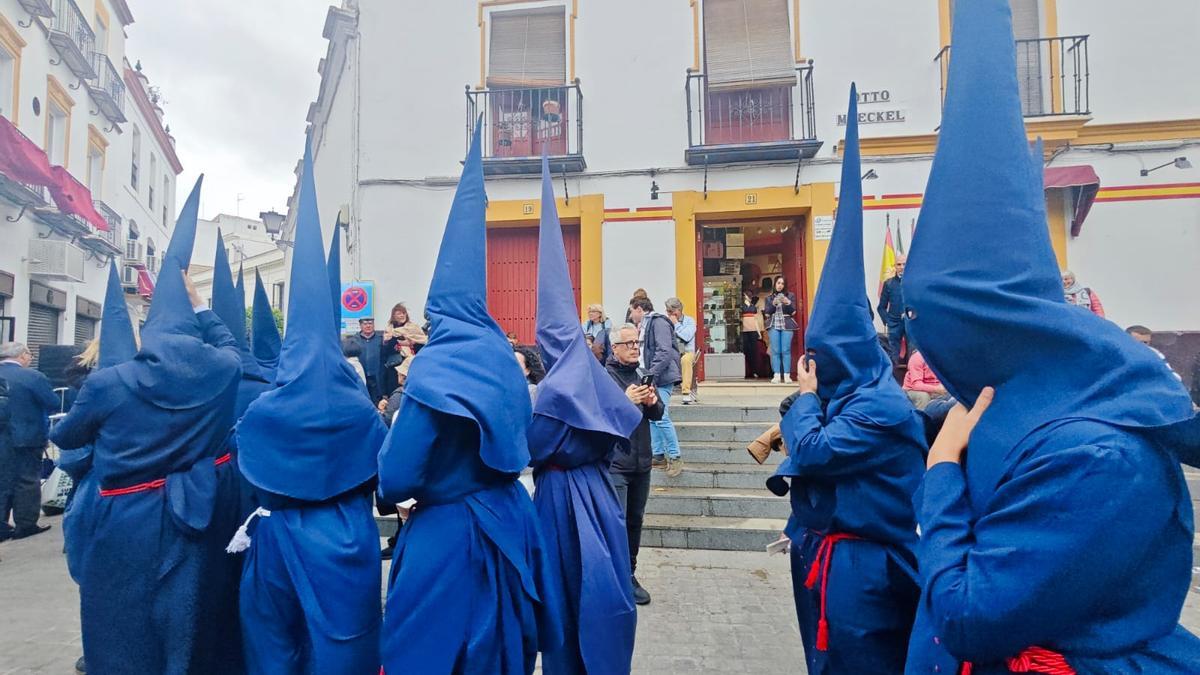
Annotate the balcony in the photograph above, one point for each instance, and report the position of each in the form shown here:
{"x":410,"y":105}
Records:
{"x":763,"y":123}
{"x":107,"y":88}
{"x":519,"y":122}
{"x":1052,"y":74}
{"x":108,"y":243}
{"x":73,"y":38}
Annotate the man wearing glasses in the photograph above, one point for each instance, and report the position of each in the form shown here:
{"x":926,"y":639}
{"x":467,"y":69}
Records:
{"x":630,"y":468}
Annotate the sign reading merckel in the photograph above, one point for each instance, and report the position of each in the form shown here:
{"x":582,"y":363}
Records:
{"x":875,"y":116}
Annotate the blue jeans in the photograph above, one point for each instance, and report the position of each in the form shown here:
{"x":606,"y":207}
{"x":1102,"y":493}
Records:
{"x":663,"y":439}
{"x":781,"y":351}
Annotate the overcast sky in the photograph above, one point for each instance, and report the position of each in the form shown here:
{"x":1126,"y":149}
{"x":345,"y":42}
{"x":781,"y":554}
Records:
{"x":238,"y":76}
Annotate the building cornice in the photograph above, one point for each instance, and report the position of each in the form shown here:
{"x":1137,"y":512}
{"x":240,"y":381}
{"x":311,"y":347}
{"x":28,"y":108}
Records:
{"x":123,"y":14}
{"x":138,"y":93}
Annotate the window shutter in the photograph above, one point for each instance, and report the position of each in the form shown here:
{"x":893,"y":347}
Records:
{"x":527,"y":48}
{"x":747,"y":44}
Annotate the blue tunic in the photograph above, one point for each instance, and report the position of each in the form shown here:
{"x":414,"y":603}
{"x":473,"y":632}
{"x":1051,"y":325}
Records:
{"x":852,"y":475}
{"x":145,"y":578}
{"x":1100,"y":580}
{"x":584,"y":529}
{"x":471,"y":589}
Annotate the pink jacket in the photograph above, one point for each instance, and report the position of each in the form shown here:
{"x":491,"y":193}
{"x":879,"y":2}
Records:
{"x":919,"y":377}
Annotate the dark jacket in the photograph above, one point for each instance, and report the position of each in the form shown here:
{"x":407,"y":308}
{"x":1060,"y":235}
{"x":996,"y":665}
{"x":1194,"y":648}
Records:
{"x":789,"y":311}
{"x":659,"y":352}
{"x":371,"y":355}
{"x":891,"y":302}
{"x":31,"y":400}
{"x":633,"y":455}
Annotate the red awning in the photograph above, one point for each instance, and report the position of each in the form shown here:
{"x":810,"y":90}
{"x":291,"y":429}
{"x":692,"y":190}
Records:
{"x":1082,"y":183}
{"x":72,"y":197}
{"x":21,"y":159}
{"x":145,"y":284}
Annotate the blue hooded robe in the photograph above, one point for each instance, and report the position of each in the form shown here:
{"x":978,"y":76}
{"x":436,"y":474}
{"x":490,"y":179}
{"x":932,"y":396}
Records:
{"x":578,"y":419}
{"x":265,"y":342}
{"x":1065,"y":537}
{"x":156,"y":424}
{"x":310,"y":595}
{"x":229,"y":302}
{"x":471,"y":590}
{"x":856,"y":454}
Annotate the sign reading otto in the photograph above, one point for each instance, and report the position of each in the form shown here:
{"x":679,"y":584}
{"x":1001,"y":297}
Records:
{"x":873,"y":116}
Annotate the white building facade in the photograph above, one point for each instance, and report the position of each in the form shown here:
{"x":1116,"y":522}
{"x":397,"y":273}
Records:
{"x":712,"y":134}
{"x":70,"y":99}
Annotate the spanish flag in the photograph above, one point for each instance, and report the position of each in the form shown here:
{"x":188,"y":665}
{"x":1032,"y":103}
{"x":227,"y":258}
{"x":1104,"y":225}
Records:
{"x":888,"y":267}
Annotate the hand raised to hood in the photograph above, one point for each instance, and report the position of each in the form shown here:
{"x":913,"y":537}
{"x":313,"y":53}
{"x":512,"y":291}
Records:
{"x":956,"y":431}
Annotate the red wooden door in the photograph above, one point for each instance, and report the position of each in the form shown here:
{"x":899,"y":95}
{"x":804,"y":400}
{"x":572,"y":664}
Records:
{"x":512,"y":276}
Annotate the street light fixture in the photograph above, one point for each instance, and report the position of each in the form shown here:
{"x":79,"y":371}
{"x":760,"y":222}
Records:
{"x":272,"y":222}
{"x":1178,"y":163}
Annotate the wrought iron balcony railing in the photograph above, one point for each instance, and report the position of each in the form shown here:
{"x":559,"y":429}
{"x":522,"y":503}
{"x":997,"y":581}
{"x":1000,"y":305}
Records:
{"x":1052,"y":73}
{"x":73,"y":38}
{"x":768,"y":122}
{"x":113,"y":236}
{"x":107,"y":88}
{"x":519,"y":122}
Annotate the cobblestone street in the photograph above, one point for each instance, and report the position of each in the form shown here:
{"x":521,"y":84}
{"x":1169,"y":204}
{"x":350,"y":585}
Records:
{"x":713,"y":611}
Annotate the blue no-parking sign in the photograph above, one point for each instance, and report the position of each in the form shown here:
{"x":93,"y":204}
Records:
{"x":358,"y":302}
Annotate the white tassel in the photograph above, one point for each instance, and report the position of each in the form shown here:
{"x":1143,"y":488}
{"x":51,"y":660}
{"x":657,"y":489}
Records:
{"x":241,"y":539}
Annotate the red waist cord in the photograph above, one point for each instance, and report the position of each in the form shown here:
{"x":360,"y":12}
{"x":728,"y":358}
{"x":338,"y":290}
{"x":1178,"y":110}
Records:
{"x":153,"y":484}
{"x":820,"y":570}
{"x":1033,"y":660}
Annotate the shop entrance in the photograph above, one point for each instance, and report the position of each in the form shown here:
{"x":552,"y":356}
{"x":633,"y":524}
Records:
{"x":737,"y":263}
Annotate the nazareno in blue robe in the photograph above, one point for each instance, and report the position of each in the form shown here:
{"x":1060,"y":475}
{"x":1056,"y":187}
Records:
{"x":579,"y":416}
{"x":470,"y":588}
{"x":856,"y":452}
{"x":155,"y":424}
{"x":1065,"y":536}
{"x":310,"y":591}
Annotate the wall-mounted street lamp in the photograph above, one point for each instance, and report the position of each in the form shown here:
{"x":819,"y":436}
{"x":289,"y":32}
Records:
{"x":1178,"y":163}
{"x":870,"y":175}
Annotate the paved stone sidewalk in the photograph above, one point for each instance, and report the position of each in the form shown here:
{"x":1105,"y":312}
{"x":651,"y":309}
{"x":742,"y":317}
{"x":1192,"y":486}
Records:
{"x":713,"y":611}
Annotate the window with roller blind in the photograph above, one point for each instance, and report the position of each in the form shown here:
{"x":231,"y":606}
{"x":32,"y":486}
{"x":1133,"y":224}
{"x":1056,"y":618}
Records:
{"x":527,"y":71}
{"x":749,"y":71}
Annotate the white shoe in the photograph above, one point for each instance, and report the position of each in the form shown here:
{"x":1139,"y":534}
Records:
{"x":788,"y":379}
{"x":775,"y":380}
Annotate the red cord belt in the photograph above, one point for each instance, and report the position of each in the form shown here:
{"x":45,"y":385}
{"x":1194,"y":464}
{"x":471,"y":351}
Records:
{"x":1033,"y":660}
{"x":152,"y":484}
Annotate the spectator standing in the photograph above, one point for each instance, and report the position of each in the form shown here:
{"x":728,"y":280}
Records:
{"x":685,"y":342}
{"x":1145,"y":335}
{"x":780,"y":311}
{"x":31,"y":399}
{"x":597,"y":329}
{"x":401,"y":341}
{"x":638,"y":294}
{"x":753,"y":333}
{"x":660,"y":360}
{"x":630,"y":468}
{"x":353,"y":353}
{"x":370,"y":344}
{"x":1081,"y":296}
{"x":920,"y":382}
{"x":891,"y":309}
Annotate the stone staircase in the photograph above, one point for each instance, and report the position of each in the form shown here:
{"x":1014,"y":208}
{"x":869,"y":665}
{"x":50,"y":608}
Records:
{"x":720,"y":501}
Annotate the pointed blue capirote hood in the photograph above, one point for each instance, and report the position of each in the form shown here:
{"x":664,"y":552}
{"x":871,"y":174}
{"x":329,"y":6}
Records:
{"x":117,"y":343}
{"x":334,"y":265}
{"x":265,"y":342}
{"x":230,"y":305}
{"x":316,"y":434}
{"x":841,"y":334}
{"x":183,"y":237}
{"x":982,"y":286}
{"x":576,"y":390}
{"x":488,"y":388}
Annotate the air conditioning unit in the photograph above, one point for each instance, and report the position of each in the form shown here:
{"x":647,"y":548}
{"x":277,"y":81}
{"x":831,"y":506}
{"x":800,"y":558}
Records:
{"x":56,"y":259}
{"x":129,"y":276}
{"x":135,"y":252}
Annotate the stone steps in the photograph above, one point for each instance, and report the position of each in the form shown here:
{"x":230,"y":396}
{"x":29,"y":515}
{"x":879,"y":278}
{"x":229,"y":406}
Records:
{"x":722,"y":453}
{"x":711,"y":533}
{"x":724,"y":476}
{"x":723,"y":503}
{"x":724,"y":413}
{"x":719,"y":432}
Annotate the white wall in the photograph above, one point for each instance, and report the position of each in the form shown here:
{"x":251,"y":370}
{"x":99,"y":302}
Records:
{"x":633,"y":259}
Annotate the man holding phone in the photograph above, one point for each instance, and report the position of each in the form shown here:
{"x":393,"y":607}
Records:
{"x":630,"y":468}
